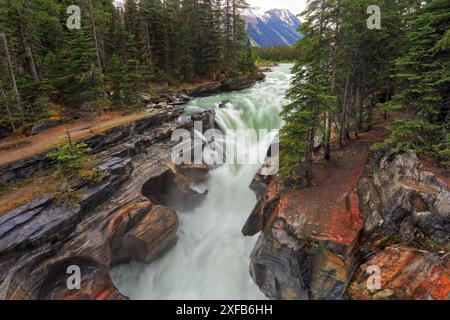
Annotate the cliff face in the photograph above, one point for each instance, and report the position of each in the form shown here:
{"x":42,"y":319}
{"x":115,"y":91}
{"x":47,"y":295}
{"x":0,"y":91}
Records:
{"x":396,"y":220}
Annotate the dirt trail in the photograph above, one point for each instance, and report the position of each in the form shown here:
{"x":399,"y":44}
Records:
{"x":16,"y":148}
{"x":330,"y":208}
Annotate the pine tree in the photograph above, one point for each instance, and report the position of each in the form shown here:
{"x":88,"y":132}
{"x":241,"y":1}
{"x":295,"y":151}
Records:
{"x":310,"y":99}
{"x":424,"y":72}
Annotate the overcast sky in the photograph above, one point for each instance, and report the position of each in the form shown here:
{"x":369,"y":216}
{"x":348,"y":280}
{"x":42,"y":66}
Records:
{"x":295,"y":6}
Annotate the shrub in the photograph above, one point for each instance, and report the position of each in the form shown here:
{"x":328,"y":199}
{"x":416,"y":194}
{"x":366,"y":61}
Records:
{"x":73,"y":167}
{"x":70,"y":159}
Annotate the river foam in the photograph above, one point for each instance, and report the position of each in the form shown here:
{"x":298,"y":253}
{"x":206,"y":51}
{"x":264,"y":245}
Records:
{"x":211,"y":257}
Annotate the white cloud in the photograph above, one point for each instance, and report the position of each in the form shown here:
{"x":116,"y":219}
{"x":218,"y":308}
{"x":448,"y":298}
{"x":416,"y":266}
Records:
{"x":295,"y":6}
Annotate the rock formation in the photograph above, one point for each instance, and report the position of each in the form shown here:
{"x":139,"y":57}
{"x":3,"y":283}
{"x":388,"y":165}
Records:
{"x":396,"y":219}
{"x":123,"y":218}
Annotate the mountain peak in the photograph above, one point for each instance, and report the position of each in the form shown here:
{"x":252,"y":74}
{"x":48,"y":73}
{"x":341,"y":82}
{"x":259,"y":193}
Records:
{"x":276,"y":27}
{"x":284,"y":15}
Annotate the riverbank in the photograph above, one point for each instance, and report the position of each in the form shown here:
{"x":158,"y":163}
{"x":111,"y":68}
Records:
{"x":366,"y":211}
{"x":128,"y":216}
{"x":17,"y":153}
{"x":210,"y":259}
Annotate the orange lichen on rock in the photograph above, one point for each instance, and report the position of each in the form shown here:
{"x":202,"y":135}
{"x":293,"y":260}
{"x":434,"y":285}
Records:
{"x":406,"y":273}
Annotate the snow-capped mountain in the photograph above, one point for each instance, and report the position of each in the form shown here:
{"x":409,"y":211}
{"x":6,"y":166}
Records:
{"x":276,"y":27}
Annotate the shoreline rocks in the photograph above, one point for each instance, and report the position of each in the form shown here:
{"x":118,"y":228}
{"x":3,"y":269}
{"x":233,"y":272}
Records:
{"x":396,"y":205}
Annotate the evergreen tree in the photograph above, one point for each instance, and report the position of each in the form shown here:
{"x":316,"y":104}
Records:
{"x":424,"y":74}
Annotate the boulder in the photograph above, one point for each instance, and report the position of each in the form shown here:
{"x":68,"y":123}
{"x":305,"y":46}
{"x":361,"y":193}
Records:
{"x":172,"y":189}
{"x":150,"y":238}
{"x":195,"y":173}
{"x":278,"y":265}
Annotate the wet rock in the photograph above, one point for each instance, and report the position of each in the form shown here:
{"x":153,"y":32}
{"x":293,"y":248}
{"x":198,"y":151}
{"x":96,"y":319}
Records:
{"x":150,"y":238}
{"x":224,"y":104}
{"x":263,"y":213}
{"x":240,"y":83}
{"x":45,"y":275}
{"x":280,"y":275}
{"x":176,"y":98}
{"x":162,"y":105}
{"x":231,"y":84}
{"x":40,"y":221}
{"x":23,"y":168}
{"x":195,"y":173}
{"x":327,"y":242}
{"x":172,"y":189}
{"x":405,"y":273}
{"x":206,"y":90}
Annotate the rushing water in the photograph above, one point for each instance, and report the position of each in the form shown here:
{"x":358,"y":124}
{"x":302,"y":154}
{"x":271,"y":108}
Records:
{"x":211,"y":257}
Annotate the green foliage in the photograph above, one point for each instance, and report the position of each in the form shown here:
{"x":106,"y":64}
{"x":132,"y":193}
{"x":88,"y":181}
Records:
{"x":72,"y":168}
{"x":118,"y":50}
{"x":70,"y":158}
{"x":343,"y":67}
{"x":277,"y":54}
{"x":124,"y":82}
{"x":423,"y":72}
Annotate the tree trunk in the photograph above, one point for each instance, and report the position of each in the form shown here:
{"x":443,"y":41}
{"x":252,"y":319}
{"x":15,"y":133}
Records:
{"x":344,"y":110}
{"x":94,"y":35}
{"x":361,"y":112}
{"x":31,"y":63}
{"x":308,"y":172}
{"x":329,"y":115}
{"x":10,"y":65}
{"x":29,"y":52}
{"x":149,"y":45}
{"x":234,"y":27}
{"x":370,"y":115}
{"x":357,"y":111}
{"x":350,"y":103}
{"x":227,"y":31}
{"x":388,"y":95}
{"x":8,"y":111}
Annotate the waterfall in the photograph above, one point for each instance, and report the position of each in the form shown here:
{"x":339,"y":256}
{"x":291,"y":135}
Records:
{"x":211,"y":257}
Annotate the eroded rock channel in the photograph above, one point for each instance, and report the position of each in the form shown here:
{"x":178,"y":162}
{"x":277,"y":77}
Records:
{"x":129,"y":216}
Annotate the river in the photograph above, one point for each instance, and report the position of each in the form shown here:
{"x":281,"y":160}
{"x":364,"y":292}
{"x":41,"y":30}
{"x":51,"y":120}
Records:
{"x":211,"y":257}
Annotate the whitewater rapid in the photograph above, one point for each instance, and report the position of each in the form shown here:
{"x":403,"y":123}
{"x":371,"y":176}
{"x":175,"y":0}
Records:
{"x":211,"y":257}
